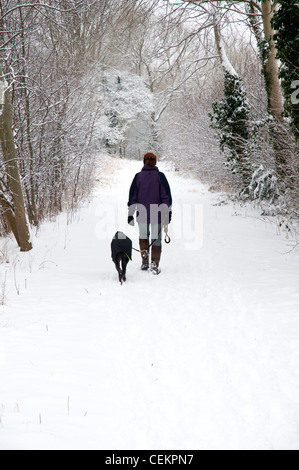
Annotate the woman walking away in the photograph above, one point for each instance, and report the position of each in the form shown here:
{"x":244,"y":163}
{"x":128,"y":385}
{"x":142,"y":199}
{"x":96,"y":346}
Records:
{"x":150,"y":196}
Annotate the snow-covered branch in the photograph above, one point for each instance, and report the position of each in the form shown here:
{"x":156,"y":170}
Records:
{"x":41,"y":5}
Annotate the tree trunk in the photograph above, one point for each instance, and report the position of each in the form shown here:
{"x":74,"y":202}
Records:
{"x":31,"y":204}
{"x":271,"y":67}
{"x":280,"y":131}
{"x":19,"y":226}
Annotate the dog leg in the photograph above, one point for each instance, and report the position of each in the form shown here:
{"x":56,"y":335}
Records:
{"x":118,"y":267}
{"x":124,"y":266}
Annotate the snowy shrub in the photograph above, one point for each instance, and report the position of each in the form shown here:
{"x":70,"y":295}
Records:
{"x":124,"y":123}
{"x":264,"y":186}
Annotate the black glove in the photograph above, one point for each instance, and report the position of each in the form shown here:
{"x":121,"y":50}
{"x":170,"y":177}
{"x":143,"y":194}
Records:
{"x":167,"y":218}
{"x":131,"y":220}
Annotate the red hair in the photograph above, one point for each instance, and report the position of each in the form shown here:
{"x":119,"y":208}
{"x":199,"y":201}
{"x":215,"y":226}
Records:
{"x":150,"y":155}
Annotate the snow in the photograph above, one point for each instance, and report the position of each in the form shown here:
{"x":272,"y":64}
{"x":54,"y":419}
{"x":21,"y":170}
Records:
{"x":226,"y":64}
{"x":126,"y":106}
{"x":203,"y":356}
{"x":3,"y":88}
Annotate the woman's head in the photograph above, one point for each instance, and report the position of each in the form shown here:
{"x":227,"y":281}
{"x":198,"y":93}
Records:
{"x":150,"y":159}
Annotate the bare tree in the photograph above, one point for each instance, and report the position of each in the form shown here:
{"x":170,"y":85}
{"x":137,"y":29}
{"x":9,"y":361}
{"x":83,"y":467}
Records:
{"x":47,"y":52}
{"x":11,"y":192}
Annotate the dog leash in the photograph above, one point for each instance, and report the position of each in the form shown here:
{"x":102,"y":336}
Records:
{"x":167,"y":239}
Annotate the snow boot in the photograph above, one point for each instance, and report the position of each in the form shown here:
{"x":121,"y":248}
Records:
{"x":144,"y":250}
{"x":156,"y":256}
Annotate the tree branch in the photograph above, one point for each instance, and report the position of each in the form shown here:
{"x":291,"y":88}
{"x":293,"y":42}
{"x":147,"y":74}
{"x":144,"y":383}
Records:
{"x":42,"y":5}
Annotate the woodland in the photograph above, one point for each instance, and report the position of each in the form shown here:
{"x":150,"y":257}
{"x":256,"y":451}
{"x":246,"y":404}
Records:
{"x":210,"y":86}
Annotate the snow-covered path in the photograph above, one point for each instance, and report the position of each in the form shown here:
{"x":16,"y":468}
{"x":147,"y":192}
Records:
{"x":204,"y":356}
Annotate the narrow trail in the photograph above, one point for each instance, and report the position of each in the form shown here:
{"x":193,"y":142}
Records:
{"x":204,"y":356}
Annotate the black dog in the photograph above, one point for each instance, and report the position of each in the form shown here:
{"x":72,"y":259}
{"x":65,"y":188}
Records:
{"x":121,"y":253}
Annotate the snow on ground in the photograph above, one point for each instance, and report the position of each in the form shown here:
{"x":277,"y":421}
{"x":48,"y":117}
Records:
{"x":204,"y":356}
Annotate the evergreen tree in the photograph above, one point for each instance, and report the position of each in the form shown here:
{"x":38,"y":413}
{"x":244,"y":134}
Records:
{"x":286,"y":23}
{"x":230,"y":118}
